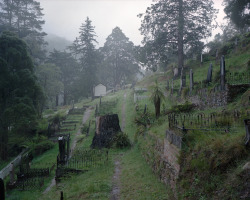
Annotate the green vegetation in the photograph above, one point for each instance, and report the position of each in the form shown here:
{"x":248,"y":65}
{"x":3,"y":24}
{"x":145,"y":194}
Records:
{"x":138,"y":180}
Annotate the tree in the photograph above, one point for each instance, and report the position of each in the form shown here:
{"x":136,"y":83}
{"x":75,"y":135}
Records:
{"x":49,"y":76}
{"x":238,"y":12}
{"x":177,"y":24}
{"x":24,"y":17}
{"x":119,"y":63}
{"x":69,"y":69}
{"x":20,"y":92}
{"x":157,"y":96}
{"x":84,"y":49}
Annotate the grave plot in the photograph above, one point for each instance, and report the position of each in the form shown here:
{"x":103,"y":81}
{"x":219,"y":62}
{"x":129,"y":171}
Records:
{"x":81,"y":161}
{"x":26,"y":178}
{"x":105,"y":107}
{"x":220,"y":122}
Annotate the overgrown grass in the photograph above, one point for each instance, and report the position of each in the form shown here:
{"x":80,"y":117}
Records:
{"x":94,"y":184}
{"x":138,"y":181}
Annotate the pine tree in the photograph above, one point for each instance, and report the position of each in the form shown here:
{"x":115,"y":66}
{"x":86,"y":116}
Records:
{"x":24,"y":17}
{"x":69,"y":70}
{"x":84,"y":49}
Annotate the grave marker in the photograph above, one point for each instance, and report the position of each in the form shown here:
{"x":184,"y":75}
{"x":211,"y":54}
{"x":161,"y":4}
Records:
{"x":2,"y":190}
{"x":176,"y":72}
{"x":172,"y":87}
{"x":12,"y":174}
{"x":222,"y":73}
{"x":209,"y":73}
{"x":183,"y":79}
{"x":191,"y":80}
{"x":201,"y":59}
{"x":216,"y":55}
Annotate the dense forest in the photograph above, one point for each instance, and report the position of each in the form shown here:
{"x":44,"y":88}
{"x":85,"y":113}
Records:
{"x":40,"y":74}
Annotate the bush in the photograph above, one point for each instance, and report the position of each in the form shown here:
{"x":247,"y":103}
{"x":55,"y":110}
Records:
{"x":41,"y":147}
{"x":57,"y":118}
{"x":186,"y":108}
{"x":121,"y":140}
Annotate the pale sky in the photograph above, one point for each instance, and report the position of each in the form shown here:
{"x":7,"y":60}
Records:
{"x":64,"y":17}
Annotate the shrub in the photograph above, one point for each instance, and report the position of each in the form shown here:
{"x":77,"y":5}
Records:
{"x":41,"y":147}
{"x":121,"y":140}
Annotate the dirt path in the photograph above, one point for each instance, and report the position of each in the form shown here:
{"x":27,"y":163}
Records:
{"x":115,"y":194}
{"x":73,"y":146}
{"x":116,"y":184}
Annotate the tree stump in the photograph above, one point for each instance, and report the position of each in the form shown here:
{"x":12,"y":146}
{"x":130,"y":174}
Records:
{"x":106,"y":128}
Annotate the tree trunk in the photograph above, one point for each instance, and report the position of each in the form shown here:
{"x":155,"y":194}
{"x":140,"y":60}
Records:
{"x":3,"y":143}
{"x":180,"y":37}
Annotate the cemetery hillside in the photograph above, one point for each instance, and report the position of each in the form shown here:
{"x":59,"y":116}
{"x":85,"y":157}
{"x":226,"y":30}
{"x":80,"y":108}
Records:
{"x":168,"y":119}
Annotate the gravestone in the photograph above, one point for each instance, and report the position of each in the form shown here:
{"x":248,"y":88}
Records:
{"x":183,"y":79}
{"x":145,"y":109}
{"x":168,"y":85}
{"x":176,"y":72}
{"x":209,"y":73}
{"x":62,"y":152}
{"x":222,"y":73}
{"x":247,"y":137}
{"x":201,"y":59}
{"x":2,"y":190}
{"x":172,"y":87}
{"x":191,"y":81}
{"x":12,"y":174}
{"x":216,"y":55}
{"x":236,"y":43}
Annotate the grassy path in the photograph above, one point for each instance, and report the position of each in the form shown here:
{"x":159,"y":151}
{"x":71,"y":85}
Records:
{"x":115,"y":193}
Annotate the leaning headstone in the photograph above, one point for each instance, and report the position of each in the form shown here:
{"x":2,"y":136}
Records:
{"x":2,"y":190}
{"x":247,"y":137}
{"x":191,"y":81}
{"x":209,"y":73}
{"x":222,"y":73}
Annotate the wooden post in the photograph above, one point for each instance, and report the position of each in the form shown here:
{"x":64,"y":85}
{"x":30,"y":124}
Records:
{"x":222,"y":73}
{"x":61,"y":195}
{"x":2,"y":190}
{"x":247,"y":137}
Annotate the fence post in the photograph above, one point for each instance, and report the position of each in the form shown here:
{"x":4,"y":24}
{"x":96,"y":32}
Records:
{"x":2,"y":190}
{"x":61,"y":195}
{"x":247,"y":137}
